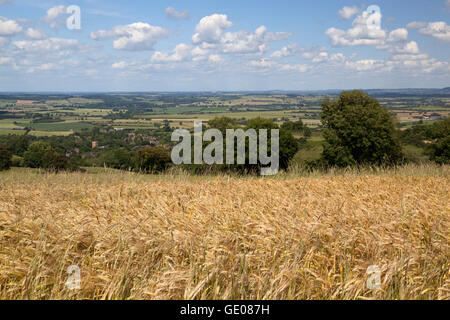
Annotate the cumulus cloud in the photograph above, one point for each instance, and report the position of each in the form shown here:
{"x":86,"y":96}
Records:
{"x":133,"y":37}
{"x":348,"y":12}
{"x":410,"y":47}
{"x":172,"y":13}
{"x":214,"y":58}
{"x":439,"y":30}
{"x":119,"y":65}
{"x":286,"y":51}
{"x":210,"y":28}
{"x":211,"y":34}
{"x":9,"y":27}
{"x":52,"y":46}
{"x":181,"y":52}
{"x":55,"y":16}
{"x":267,"y":65}
{"x":35,"y":34}
{"x":366,"y":31}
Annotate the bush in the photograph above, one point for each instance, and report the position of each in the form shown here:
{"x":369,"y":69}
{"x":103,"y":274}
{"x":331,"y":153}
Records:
{"x":152,"y":160}
{"x":358,"y":131}
{"x":5,"y":157}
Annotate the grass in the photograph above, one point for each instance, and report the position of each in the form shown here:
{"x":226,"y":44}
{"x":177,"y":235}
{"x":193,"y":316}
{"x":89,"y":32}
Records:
{"x":180,"y":237}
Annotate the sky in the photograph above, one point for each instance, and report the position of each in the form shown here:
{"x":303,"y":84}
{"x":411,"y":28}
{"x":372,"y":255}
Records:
{"x":233,"y":45}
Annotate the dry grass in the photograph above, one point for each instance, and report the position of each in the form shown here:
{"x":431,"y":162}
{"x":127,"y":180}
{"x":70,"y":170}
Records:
{"x":178,"y":237}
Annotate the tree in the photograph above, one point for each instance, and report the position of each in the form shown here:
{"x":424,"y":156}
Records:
{"x":296,"y":126}
{"x":288,"y":144}
{"x":55,"y":162}
{"x":152,"y":160}
{"x":118,"y":159}
{"x":42,"y":155}
{"x":359,"y":131}
{"x":34,"y":156}
{"x":5,"y":157}
{"x":440,"y":148}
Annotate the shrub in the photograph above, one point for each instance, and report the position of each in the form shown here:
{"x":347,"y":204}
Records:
{"x":152,"y":160}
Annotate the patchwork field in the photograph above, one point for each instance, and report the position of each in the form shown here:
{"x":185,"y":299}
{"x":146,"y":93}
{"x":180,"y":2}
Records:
{"x":181,"y":237}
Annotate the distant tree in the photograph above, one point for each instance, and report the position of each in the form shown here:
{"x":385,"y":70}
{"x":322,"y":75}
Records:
{"x":118,"y":159}
{"x":34,"y":157}
{"x":5,"y":157}
{"x":55,"y":162}
{"x":152,"y":160}
{"x":223,"y":123}
{"x":296,"y":126}
{"x":440,"y":148}
{"x":359,"y":131}
{"x":288,"y":144}
{"x":17,"y":144}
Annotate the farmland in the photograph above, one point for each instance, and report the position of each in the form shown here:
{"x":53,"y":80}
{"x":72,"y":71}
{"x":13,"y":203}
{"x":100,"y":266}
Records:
{"x":177,"y":236}
{"x":62,"y":114}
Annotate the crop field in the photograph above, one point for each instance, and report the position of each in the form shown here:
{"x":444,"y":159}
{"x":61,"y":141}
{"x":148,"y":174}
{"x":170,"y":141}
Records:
{"x":226,"y":237}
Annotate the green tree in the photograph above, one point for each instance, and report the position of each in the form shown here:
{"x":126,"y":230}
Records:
{"x":359,"y":131}
{"x":34,"y":156}
{"x":5,"y":157}
{"x":55,"y":162}
{"x":440,"y":148}
{"x":152,"y":160}
{"x":118,"y":159}
{"x":288,"y":144}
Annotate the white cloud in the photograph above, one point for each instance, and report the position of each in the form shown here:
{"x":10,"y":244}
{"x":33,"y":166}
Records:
{"x":214,"y":58}
{"x":447,"y":3}
{"x":5,"y":2}
{"x":365,"y":65}
{"x":9,"y":27}
{"x":133,"y":37}
{"x":348,"y":12}
{"x":54,"y":16}
{"x":181,"y":52}
{"x":398,"y":35}
{"x":210,"y":28}
{"x":5,"y":60}
{"x":172,"y":13}
{"x":439,"y":30}
{"x":210,"y":34}
{"x":262,"y":63}
{"x":366,"y":31}
{"x":410,"y":47}
{"x":35,"y":34}
{"x":286,"y":51}
{"x":55,"y":46}
{"x":119,"y":65}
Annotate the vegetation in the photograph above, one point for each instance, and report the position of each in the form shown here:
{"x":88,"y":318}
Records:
{"x":358,"y":131}
{"x":152,"y":160}
{"x":440,"y":147}
{"x":5,"y":157}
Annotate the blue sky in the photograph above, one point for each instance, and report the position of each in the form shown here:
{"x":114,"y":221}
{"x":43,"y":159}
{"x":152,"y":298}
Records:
{"x":224,"y":45}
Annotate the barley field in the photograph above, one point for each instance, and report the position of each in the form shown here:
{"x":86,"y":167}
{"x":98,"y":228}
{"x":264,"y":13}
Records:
{"x":222,"y":237}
